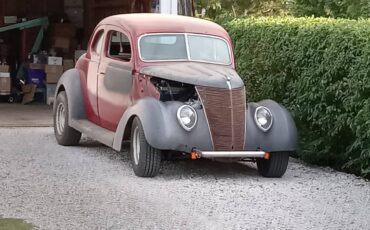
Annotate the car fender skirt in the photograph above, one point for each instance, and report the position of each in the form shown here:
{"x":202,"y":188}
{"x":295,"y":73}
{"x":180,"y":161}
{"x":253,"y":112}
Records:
{"x":282,"y":136}
{"x":161,"y":127}
{"x":71,"y":82}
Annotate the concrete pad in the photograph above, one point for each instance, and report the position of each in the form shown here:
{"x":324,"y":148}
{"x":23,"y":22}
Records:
{"x":18,"y":115}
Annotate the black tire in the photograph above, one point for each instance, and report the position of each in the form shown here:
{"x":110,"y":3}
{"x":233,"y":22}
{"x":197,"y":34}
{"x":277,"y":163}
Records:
{"x":64,"y":134}
{"x":11,"y":99}
{"x":275,"y":166}
{"x":145,"y":160}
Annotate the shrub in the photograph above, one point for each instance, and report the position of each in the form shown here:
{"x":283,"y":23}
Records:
{"x":320,"y":70}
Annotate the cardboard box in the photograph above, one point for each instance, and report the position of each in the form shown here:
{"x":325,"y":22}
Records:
{"x":36,"y":66}
{"x":53,"y":73}
{"x":4,"y":68}
{"x":55,"y":61}
{"x":10,"y":19}
{"x":53,"y":77}
{"x":62,"y":43}
{"x":5,"y":84}
{"x":50,"y":93}
{"x":68,"y":64}
{"x":28,"y":93}
{"x":53,"y":69}
{"x":65,"y":30}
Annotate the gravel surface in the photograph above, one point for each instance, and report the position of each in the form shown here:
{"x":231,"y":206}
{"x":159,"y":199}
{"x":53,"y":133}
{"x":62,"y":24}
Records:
{"x":94,"y":187}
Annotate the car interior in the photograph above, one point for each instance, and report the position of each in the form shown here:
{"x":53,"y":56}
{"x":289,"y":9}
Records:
{"x":119,"y":46}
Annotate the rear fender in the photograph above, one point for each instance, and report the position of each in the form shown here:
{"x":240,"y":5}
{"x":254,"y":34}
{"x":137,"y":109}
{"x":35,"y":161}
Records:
{"x":161,"y":127}
{"x":70,"y":82}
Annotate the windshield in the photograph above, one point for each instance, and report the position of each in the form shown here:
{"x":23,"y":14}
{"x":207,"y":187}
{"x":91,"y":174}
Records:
{"x":183,"y":47}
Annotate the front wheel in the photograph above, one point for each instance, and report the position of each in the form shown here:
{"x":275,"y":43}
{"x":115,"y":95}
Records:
{"x":146,"y":160}
{"x":275,"y":166}
{"x":64,"y":134}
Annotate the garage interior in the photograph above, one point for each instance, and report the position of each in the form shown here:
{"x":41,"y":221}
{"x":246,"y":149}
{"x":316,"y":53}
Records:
{"x":40,"y":39}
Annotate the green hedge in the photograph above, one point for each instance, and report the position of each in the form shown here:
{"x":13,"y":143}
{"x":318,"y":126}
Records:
{"x":319,"y":69}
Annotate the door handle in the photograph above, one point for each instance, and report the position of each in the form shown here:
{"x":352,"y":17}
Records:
{"x":102,"y":73}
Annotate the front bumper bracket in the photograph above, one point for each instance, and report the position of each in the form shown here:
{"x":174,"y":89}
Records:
{"x":195,"y":154}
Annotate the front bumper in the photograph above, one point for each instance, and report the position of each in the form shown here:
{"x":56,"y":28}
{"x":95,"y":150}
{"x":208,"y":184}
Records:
{"x":196,"y":154}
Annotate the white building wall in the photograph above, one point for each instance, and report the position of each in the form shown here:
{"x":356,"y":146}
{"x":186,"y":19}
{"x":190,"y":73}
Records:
{"x":168,"y":6}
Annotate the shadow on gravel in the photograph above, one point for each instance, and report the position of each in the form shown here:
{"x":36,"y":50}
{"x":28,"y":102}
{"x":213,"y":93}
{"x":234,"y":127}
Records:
{"x":184,"y":167}
{"x":15,"y":224}
{"x":204,"y":167}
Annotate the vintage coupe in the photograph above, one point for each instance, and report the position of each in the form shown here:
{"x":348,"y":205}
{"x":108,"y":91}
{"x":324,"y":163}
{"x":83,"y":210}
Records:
{"x":168,"y":83}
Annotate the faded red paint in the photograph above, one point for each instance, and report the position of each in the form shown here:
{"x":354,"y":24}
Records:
{"x":83,"y":65}
{"x":99,"y":106}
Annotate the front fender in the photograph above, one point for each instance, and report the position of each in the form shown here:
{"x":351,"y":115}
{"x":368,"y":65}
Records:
{"x":70,"y":81}
{"x":281,"y":137}
{"x":161,"y":127}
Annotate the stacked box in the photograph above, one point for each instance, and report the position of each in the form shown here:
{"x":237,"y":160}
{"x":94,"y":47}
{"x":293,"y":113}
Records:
{"x":4,"y":69}
{"x":50,"y":92}
{"x":10,"y":19}
{"x":68,"y":64}
{"x":63,"y":37}
{"x":5,"y":80}
{"x":55,"y":61}
{"x":53,"y":73}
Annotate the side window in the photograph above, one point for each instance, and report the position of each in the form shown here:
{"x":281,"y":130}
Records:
{"x":98,"y":43}
{"x":119,"y":46}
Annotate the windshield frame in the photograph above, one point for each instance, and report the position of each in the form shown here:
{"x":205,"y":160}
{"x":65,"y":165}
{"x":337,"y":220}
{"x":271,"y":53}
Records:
{"x":187,"y":49}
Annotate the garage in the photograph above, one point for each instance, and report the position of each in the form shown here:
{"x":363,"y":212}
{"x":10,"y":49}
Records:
{"x":40,"y":39}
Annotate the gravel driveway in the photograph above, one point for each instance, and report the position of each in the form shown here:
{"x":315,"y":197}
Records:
{"x":93,"y":187}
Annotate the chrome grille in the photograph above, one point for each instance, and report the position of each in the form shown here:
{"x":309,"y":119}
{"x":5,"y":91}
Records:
{"x":225,"y":111}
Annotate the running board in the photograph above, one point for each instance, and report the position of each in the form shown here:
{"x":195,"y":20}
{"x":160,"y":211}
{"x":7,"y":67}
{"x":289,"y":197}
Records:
{"x":98,"y":133}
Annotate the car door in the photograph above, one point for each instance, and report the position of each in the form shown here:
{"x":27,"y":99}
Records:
{"x":115,"y":79}
{"x":95,"y":52}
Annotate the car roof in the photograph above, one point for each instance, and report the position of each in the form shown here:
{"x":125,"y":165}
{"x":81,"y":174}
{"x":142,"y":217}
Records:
{"x":143,"y":23}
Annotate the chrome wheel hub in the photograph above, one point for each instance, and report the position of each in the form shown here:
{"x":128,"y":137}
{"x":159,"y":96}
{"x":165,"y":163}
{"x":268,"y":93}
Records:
{"x":60,"y":118}
{"x":136,"y":145}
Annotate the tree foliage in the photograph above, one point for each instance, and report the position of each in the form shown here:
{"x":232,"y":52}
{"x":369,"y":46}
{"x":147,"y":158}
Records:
{"x":239,"y":8}
{"x":352,"y":9}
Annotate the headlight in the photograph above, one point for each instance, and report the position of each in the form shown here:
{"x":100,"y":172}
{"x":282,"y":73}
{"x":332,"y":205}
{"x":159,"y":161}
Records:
{"x":263,"y":118}
{"x":187,"y":117}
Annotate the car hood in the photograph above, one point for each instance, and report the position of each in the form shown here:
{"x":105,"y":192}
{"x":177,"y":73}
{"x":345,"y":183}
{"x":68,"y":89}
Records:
{"x":201,"y":74}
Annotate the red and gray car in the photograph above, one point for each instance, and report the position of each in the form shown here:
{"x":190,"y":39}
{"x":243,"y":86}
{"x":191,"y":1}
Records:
{"x":168,"y":84}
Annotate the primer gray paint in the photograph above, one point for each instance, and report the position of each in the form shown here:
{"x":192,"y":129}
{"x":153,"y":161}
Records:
{"x":281,"y":137}
{"x":71,"y":82}
{"x":161,"y":128}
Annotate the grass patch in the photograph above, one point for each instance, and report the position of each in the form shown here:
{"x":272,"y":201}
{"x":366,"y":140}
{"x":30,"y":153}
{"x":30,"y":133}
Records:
{"x":14,"y":224}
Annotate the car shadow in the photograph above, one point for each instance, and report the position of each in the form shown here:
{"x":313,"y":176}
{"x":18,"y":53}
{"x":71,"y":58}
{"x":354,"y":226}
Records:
{"x":205,"y":167}
{"x":184,"y":168}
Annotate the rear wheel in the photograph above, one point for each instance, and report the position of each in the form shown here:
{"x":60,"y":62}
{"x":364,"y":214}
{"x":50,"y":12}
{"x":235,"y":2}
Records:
{"x":64,"y":134}
{"x":146,"y":160}
{"x":275,"y":166}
